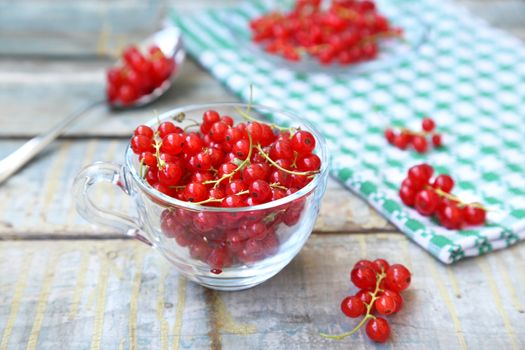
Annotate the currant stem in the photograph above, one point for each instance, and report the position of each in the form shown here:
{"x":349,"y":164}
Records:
{"x":191,"y":126}
{"x":242,"y":165}
{"x":209,"y":200}
{"x":278,"y":185}
{"x":246,"y":116}
{"x":160,"y":163}
{"x":447,"y":195}
{"x":300,"y":173}
{"x":141,"y":169}
{"x":368,"y":315}
{"x":344,"y":335}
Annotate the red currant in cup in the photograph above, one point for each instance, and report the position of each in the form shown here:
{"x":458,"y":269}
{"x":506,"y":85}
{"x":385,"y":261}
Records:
{"x":220,"y":178}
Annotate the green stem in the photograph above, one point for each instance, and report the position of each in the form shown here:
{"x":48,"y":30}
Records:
{"x":160,"y":163}
{"x":368,"y":314}
{"x":210,"y":200}
{"x":447,"y":195}
{"x":272,"y":125}
{"x":344,"y":335}
{"x":141,"y":169}
{"x":272,"y":162}
{"x":278,"y":185}
{"x":191,"y":126}
{"x":242,"y":165}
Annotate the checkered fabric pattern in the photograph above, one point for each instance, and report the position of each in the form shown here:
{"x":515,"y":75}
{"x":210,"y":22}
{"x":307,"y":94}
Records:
{"x":468,"y":76}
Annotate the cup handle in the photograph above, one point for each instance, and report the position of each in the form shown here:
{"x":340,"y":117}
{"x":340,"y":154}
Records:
{"x":114,"y":174}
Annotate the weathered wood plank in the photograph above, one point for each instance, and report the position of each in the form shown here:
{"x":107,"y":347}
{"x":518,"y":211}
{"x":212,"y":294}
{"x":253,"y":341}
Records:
{"x":37,"y":201}
{"x":107,"y":294}
{"x":46,"y":92}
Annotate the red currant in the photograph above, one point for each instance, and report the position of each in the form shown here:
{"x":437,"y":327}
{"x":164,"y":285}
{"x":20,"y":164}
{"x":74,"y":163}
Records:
{"x":140,"y":144}
{"x":420,"y":143}
{"x":450,"y":216}
{"x":378,"y":329}
{"x":364,"y":277}
{"x":474,"y":215}
{"x":428,"y":124}
{"x":381,"y":265}
{"x":444,"y":182}
{"x":397,"y":278}
{"x":353,"y":307}
{"x":260,"y":191}
{"x":144,"y":130}
{"x":303,"y":142}
{"x":426,"y":202}
{"x":408,"y":195}
{"x":437,"y":140}
{"x":397,"y":298}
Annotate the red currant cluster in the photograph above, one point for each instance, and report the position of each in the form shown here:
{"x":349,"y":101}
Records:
{"x":225,"y":164}
{"x":418,"y":140}
{"x":380,"y":285}
{"x":229,"y":166}
{"x":139,"y":75}
{"x":347,"y":32}
{"x":434,"y":198}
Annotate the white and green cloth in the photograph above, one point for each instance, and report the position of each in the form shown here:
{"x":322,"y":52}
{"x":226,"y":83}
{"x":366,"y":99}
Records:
{"x":469,"y":77}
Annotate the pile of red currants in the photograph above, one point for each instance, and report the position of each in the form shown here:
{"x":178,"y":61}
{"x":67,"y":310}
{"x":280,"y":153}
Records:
{"x":434,"y":198}
{"x":226,"y":165}
{"x":418,"y":140}
{"x":139,"y":75}
{"x":380,"y":285}
{"x":347,"y":32}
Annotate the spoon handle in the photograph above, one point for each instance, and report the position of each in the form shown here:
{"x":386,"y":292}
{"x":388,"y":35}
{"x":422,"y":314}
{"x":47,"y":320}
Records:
{"x":10,"y":164}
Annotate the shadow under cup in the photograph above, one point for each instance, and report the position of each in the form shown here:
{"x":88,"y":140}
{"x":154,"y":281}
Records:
{"x":224,"y":249}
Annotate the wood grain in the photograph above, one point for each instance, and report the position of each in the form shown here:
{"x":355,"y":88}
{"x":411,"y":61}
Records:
{"x":131,"y":296}
{"x":47,"y":91}
{"x":38,"y":200}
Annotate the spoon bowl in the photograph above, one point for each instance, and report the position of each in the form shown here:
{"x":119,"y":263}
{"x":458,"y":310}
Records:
{"x":169,"y":41}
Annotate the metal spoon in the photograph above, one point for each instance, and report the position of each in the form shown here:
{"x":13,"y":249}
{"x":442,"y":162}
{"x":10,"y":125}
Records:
{"x":168,"y":40}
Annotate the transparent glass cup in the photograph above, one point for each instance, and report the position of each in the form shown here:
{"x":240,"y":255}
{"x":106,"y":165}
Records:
{"x":223,"y":249}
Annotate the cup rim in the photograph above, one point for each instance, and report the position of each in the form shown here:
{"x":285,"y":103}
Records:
{"x":152,"y":192}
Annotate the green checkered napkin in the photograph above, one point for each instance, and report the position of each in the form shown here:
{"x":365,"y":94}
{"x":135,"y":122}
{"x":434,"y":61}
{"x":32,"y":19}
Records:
{"x":469,"y":77}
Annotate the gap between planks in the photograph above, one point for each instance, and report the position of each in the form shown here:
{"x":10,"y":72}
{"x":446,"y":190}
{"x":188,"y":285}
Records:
{"x":116,"y":236}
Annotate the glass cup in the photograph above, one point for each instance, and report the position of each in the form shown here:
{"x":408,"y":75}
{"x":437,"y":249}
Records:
{"x":223,"y":249}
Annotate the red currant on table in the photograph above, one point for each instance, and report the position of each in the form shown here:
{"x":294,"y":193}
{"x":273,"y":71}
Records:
{"x":398,"y":278}
{"x":384,"y":299}
{"x":353,"y":307}
{"x":385,"y":305}
{"x":364,"y":277}
{"x":378,"y":330}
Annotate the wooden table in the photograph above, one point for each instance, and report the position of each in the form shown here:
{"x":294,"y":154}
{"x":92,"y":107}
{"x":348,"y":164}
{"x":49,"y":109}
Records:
{"x":65,"y":284}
